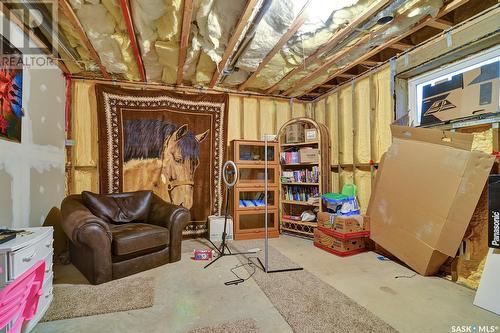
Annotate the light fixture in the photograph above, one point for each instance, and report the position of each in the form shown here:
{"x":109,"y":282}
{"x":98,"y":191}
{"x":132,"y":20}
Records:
{"x":385,"y":19}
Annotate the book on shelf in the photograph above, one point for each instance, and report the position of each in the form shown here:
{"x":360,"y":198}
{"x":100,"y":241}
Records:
{"x":298,"y":193}
{"x":301,"y":176}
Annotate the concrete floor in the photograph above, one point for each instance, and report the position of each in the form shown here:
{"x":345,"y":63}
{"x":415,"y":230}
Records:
{"x":188,"y":297}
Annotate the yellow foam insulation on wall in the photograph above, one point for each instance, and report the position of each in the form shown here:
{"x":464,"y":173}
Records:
{"x":362,"y":121}
{"x":334,"y":182}
{"x":251,"y":122}
{"x":363,"y":181}
{"x":234,"y":118}
{"x":267,"y":117}
{"x":298,"y":110}
{"x":384,"y":113}
{"x":346,"y":177}
{"x":85,"y":180}
{"x":346,"y":126}
{"x":84,"y":127}
{"x":204,"y":69}
{"x":332,"y":122}
{"x":283,"y":113}
{"x":74,"y":41}
{"x":319,"y":111}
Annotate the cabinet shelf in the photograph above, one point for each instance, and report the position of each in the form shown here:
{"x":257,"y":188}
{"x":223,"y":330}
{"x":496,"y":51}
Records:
{"x":300,"y":144}
{"x":296,"y":202}
{"x":310,"y":224}
{"x":301,"y":183}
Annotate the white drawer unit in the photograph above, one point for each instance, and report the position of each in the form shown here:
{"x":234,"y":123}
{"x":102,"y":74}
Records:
{"x":19,"y":255}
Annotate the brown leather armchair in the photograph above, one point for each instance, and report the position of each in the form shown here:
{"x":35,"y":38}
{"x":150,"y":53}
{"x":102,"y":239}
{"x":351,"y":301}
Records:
{"x":104,"y":251}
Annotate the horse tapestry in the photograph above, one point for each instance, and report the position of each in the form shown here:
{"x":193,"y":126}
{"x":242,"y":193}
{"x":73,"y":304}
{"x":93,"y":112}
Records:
{"x":173,"y":144}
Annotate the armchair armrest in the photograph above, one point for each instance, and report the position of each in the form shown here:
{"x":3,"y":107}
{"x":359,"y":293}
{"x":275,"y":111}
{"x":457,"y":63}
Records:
{"x":90,"y":240}
{"x":78,"y":220}
{"x":174,"y":218}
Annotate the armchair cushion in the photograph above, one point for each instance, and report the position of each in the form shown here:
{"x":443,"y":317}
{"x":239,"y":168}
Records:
{"x":119,"y":207}
{"x":135,"y":237}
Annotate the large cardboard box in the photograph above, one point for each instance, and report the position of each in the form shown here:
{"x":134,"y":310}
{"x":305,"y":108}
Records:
{"x":309,"y":155}
{"x":344,"y":225}
{"x":426,"y":190}
{"x":464,"y":95}
{"x":342,"y":247}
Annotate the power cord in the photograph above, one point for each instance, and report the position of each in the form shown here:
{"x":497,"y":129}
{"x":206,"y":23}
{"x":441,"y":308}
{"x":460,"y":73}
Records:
{"x":240,"y":279}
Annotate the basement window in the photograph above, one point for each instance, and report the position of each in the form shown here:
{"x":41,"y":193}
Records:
{"x":464,"y":89}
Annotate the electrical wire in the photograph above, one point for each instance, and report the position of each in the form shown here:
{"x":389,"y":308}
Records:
{"x":249,"y":264}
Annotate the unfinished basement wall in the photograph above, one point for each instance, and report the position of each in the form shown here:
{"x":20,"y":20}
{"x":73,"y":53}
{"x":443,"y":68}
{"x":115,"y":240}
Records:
{"x":358,"y":115}
{"x":250,"y":117}
{"x":32,"y":172}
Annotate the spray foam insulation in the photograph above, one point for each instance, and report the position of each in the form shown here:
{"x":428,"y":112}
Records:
{"x":409,"y":13}
{"x":362,"y":121}
{"x":84,"y":128}
{"x":104,"y":25}
{"x":158,"y":26}
{"x":211,"y":27}
{"x":346,"y":126}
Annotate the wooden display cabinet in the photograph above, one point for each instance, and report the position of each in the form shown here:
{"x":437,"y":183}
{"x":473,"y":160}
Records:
{"x":248,"y":198}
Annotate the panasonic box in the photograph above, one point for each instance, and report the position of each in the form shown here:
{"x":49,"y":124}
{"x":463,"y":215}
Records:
{"x":494,"y":211}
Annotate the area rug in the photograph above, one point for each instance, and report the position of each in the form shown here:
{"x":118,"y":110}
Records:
{"x":307,"y":303}
{"x":241,"y":326}
{"x":171,"y":143}
{"x":79,"y":300}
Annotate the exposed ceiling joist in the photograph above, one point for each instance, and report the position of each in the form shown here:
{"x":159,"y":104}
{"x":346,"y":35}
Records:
{"x":364,"y":59}
{"x":131,"y":34}
{"x":401,"y":46}
{"x":73,"y":19}
{"x":186,"y":27}
{"x":294,"y":27}
{"x":376,"y":7}
{"x":328,"y":86}
{"x":231,"y":45}
{"x":13,"y":18}
{"x":440,"y":24}
{"x":346,"y":75}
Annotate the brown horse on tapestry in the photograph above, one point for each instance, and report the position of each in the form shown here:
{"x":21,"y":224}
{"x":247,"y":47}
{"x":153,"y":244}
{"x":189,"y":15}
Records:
{"x":160,"y":156}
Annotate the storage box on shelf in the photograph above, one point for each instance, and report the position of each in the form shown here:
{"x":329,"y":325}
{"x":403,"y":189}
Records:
{"x":304,"y":173}
{"x":249,"y":193}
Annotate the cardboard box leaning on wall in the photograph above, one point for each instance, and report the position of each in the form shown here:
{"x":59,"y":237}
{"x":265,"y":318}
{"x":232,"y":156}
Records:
{"x":427,"y":187}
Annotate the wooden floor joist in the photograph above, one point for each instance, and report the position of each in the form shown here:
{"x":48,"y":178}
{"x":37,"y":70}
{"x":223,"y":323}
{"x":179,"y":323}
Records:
{"x":235,"y":37}
{"x":73,"y":19}
{"x":186,"y":27}
{"x":294,"y":27}
{"x":364,"y":59}
{"x":440,"y":24}
{"x":376,"y":7}
{"x":401,"y":46}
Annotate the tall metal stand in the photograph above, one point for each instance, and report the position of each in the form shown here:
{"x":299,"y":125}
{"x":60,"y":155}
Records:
{"x":229,"y":185}
{"x":265,"y":266}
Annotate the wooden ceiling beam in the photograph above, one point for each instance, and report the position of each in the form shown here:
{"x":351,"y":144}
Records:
{"x":364,"y":59}
{"x":294,"y":27}
{"x":440,"y":24}
{"x":133,"y":40}
{"x":336,"y":38}
{"x":401,"y":46}
{"x":235,"y":37}
{"x":328,"y":86}
{"x":73,"y":19}
{"x":186,"y":27}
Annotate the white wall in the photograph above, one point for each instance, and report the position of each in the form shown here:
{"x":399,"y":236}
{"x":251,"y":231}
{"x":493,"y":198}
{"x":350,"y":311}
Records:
{"x":32,"y":172}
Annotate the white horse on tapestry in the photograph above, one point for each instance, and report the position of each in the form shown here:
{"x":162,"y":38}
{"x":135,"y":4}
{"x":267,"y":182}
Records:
{"x":160,"y":156}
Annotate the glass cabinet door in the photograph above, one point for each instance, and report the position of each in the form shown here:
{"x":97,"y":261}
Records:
{"x":251,"y":199}
{"x":255,"y":176}
{"x":248,"y":153}
{"x":253,"y":221}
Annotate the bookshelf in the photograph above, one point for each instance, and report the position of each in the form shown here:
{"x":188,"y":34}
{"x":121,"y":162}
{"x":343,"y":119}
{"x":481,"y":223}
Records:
{"x":249,"y":193}
{"x":304,"y":173}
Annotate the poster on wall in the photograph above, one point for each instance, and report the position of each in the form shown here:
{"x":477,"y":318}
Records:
{"x":472,"y":93}
{"x":11,"y":91}
{"x":173,"y":144}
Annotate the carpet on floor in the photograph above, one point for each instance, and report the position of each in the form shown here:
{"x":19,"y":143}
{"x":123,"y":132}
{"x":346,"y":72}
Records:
{"x":307,"y":303}
{"x":80,"y":300}
{"x":241,"y":326}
